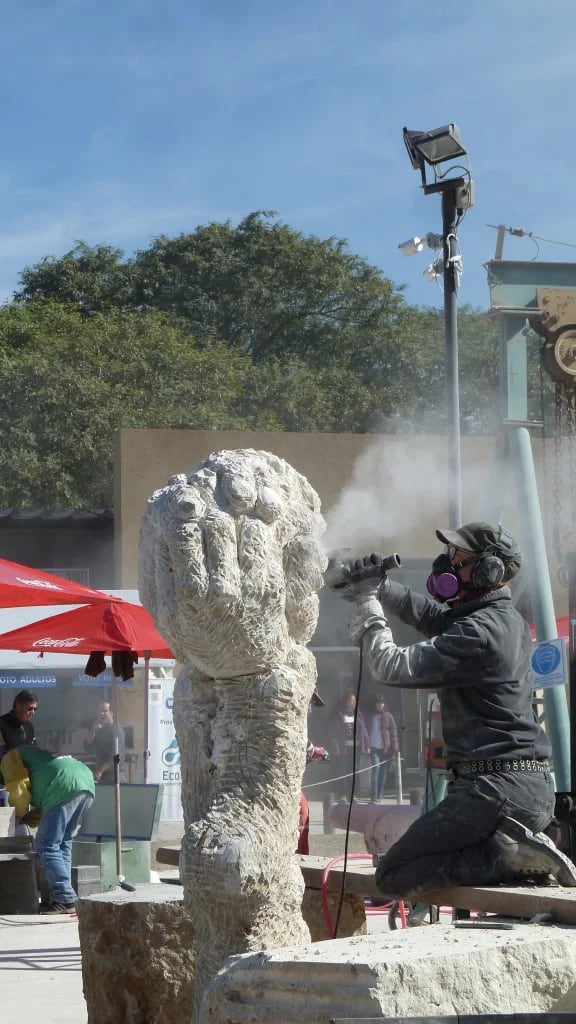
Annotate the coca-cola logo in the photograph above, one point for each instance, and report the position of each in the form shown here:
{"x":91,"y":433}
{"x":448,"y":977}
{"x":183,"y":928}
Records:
{"x":38,"y":583}
{"x":49,"y":641}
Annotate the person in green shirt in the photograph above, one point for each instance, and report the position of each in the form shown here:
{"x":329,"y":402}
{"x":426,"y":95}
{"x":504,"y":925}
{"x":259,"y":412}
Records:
{"x":62,"y":790}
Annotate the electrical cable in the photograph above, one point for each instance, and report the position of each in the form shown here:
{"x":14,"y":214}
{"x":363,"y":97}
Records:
{"x":351,"y":796}
{"x":453,"y":167}
{"x":550,"y":241}
{"x":523,"y":233}
{"x":430,"y":782}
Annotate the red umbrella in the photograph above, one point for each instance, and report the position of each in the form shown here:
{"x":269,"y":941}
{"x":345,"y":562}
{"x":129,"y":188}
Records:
{"x":107,"y":627}
{"x":21,"y":586}
{"x":114,"y":625}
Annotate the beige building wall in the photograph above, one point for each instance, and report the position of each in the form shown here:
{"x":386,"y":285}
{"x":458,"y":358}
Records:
{"x":408,"y":474}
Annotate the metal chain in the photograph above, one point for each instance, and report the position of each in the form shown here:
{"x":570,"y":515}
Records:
{"x":545,"y":475}
{"x":557,"y":506}
{"x":570,"y":400}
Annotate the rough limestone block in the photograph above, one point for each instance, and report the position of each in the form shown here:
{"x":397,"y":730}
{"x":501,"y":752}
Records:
{"x":424,"y":972}
{"x":137,"y":956}
{"x":352,"y":915}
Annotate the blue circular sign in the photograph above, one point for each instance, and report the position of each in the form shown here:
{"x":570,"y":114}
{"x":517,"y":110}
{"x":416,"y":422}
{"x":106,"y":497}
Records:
{"x":545,"y":659}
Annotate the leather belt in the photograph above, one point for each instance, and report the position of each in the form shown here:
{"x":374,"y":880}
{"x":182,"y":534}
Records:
{"x":497,"y":764}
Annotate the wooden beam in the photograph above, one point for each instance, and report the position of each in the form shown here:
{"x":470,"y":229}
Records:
{"x":507,"y":901}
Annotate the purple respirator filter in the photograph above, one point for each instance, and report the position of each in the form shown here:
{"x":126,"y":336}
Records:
{"x":444,"y":586}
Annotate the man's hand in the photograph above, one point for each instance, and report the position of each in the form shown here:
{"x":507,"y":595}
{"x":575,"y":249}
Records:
{"x":368,"y":567}
{"x":32,"y":818}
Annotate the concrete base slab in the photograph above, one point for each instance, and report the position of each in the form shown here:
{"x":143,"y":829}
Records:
{"x":435,"y":970}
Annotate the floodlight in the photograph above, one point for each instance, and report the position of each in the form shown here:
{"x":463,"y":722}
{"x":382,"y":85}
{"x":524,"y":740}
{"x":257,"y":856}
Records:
{"x":416,"y":244}
{"x":434,"y":147}
{"x":411,"y":246}
{"x":434,"y":270}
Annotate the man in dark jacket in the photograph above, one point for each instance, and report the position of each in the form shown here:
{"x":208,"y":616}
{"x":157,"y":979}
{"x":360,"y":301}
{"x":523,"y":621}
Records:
{"x":16,"y":726}
{"x":488,"y":828}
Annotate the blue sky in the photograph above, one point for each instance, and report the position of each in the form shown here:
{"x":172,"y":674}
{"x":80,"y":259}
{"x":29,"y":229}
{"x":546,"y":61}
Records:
{"x":126,"y":119}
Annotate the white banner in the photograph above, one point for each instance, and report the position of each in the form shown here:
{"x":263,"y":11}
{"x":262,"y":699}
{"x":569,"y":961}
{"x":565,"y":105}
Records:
{"x":164,"y":761}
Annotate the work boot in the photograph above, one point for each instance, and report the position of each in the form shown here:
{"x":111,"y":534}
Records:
{"x":531,"y":854}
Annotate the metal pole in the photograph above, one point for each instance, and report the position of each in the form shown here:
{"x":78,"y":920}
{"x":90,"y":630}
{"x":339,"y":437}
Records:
{"x":571,"y":570}
{"x":117,"y":813}
{"x":146,"y":712}
{"x":451,"y":342}
{"x":398,"y":778}
{"x":555,"y":703}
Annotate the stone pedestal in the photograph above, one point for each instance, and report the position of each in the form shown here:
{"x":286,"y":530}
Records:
{"x":137,"y":956}
{"x":138,"y":950}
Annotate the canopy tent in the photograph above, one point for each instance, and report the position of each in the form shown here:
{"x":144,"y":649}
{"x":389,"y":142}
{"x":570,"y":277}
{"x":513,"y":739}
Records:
{"x":57,"y":658}
{"x":107,"y":627}
{"x":22,"y":586}
{"x":114,"y":625}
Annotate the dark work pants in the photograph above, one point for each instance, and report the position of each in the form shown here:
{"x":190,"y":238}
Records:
{"x":450,"y":845}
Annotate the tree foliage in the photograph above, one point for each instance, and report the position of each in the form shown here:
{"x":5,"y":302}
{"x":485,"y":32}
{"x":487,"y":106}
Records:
{"x":68,"y":382}
{"x":252,"y":326}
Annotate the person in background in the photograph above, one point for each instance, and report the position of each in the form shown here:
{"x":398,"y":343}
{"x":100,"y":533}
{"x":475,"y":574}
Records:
{"x":16,"y":728}
{"x":61,"y":789}
{"x":383,"y":737}
{"x":313,"y":753}
{"x":341,"y":741}
{"x":101,"y":739}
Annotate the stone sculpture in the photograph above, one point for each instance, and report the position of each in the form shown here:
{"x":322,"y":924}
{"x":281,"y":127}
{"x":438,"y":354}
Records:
{"x":230,"y":569}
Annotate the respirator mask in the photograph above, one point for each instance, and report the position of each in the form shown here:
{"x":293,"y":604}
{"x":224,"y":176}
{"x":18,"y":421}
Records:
{"x":443,"y":582}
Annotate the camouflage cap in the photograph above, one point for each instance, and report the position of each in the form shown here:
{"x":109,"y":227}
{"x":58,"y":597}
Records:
{"x":485,"y":538}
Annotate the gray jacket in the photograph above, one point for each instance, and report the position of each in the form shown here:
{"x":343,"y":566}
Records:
{"x":478,"y":659}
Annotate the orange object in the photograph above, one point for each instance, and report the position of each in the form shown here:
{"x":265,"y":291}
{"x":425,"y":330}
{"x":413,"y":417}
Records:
{"x":434,"y":754}
{"x":303,"y":826}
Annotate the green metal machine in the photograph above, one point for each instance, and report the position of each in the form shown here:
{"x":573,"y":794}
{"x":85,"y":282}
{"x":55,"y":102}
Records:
{"x":96,"y":843}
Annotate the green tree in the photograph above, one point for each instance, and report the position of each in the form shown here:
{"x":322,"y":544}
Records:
{"x":93,"y":278}
{"x":260,"y":287}
{"x":67,"y":382}
{"x":335,"y":344}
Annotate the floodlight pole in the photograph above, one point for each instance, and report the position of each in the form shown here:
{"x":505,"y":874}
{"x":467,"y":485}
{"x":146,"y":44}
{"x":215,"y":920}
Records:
{"x":449,"y":190}
{"x":451,"y":343}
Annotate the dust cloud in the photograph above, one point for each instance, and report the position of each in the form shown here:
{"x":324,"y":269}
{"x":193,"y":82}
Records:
{"x":394,"y":492}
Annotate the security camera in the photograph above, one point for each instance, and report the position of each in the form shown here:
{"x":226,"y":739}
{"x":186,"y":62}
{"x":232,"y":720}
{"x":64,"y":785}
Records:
{"x":434,"y":270}
{"x":412,"y":246}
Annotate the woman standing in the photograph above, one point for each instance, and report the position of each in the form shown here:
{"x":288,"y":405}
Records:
{"x":341,"y":742}
{"x":383,"y":737}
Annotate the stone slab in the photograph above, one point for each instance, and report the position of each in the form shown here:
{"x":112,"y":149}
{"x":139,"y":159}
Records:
{"x":436,"y":970}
